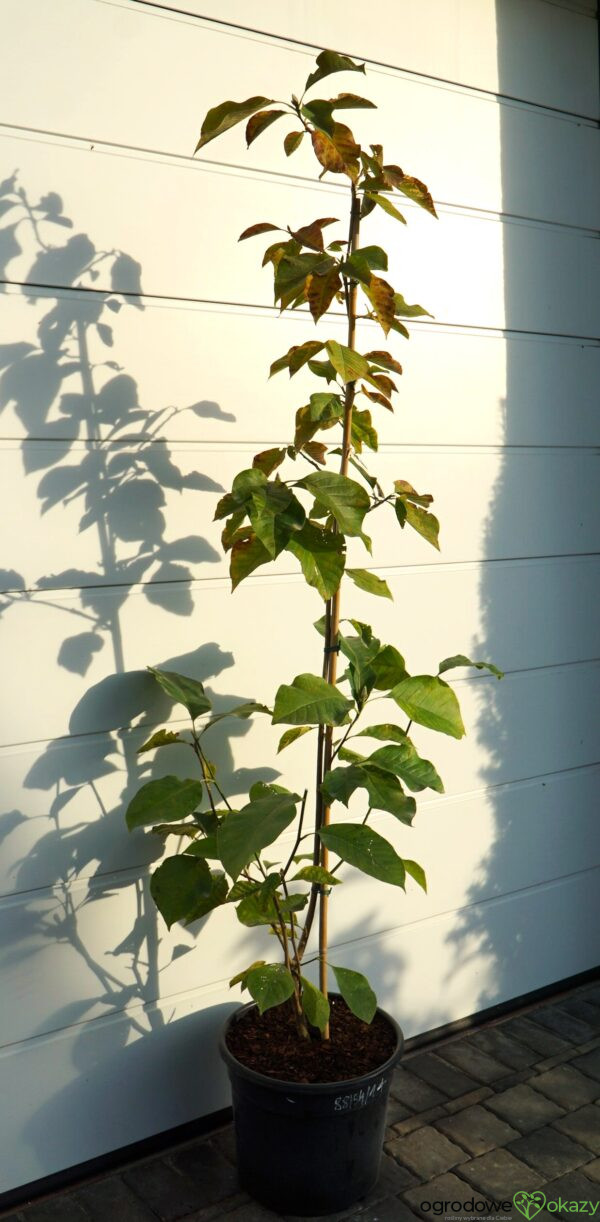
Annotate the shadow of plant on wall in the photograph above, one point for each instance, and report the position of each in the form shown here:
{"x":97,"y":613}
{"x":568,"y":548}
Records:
{"x":93,"y":447}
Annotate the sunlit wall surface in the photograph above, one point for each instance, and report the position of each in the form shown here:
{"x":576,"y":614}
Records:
{"x":135,"y":340}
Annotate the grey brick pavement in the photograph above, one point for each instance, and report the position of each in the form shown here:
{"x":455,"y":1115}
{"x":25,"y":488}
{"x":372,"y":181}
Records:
{"x":512,"y":1106}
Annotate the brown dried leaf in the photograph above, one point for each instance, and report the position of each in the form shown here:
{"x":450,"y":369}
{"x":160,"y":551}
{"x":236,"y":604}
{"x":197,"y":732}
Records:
{"x":381,"y":296}
{"x":321,"y":291}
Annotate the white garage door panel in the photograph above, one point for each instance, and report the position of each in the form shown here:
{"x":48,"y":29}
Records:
{"x":435,"y":976}
{"x":58,"y":1075}
{"x":83,"y":936}
{"x":151,"y":517}
{"x":454,"y":267}
{"x":175,"y":364}
{"x":138,"y":48}
{"x":458,"y":41}
{"x":541,"y":623}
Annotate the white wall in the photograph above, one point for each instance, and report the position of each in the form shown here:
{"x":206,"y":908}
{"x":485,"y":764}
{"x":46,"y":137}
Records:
{"x":135,"y":340}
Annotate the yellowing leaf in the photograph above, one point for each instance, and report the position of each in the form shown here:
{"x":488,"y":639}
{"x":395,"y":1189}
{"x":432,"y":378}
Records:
{"x":259,"y":122}
{"x":221,"y":118}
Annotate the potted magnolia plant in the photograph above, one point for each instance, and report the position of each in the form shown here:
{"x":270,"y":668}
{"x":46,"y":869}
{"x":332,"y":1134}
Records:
{"x":310,"y":1068}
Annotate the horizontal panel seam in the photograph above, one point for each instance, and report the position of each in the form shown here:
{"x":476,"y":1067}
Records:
{"x":260,"y":172}
{"x":593,"y":340}
{"x":291,"y":577}
{"x":551,"y":111}
{"x":211,"y":985}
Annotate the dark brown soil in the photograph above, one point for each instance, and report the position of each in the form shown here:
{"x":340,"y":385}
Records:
{"x":270,"y":1044}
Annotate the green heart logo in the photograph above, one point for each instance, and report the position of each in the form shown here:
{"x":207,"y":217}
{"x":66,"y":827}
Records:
{"x":529,"y":1203}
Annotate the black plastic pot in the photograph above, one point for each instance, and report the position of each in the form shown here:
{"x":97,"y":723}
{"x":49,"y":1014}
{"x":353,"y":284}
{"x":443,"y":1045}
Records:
{"x":308,"y":1149}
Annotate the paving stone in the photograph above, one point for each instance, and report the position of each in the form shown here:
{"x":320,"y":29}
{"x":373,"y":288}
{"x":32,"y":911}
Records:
{"x":477,"y":1130}
{"x":592,"y":1170}
{"x":567,"y":1087}
{"x":392,"y":1210}
{"x":500,"y":1174}
{"x":465,"y":1055}
{"x":224,"y":1141}
{"x":572,"y":1187}
{"x":396,"y":1111}
{"x":583,"y":1009}
{"x":563,"y":1024}
{"x":536,"y":1037}
{"x":250,"y":1211}
{"x":427,"y":1152}
{"x":60,"y":1208}
{"x":417,"y":1122}
{"x":168,"y":1192}
{"x":441,"y":1076}
{"x":588,"y":1064}
{"x":583,"y":1126}
{"x":111,"y":1198}
{"x":227,"y":1209}
{"x":413,"y":1092}
{"x":408,"y":1179}
{"x":497,"y":1043}
{"x":472,"y":1096}
{"x":550,"y":1152}
{"x":205,"y":1164}
{"x":452,"y":1191}
{"x":524,"y":1108}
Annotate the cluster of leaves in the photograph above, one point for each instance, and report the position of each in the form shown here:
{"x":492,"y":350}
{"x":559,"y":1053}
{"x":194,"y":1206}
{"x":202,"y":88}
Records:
{"x":311,"y":518}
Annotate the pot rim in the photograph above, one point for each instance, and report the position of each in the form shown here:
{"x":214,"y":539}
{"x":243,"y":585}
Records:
{"x":305,"y":1088}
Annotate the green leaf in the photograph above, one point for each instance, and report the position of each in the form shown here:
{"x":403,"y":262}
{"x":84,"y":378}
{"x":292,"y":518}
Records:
{"x":426,"y":524}
{"x":322,"y":556}
{"x":329,"y":62}
{"x":386,"y":732}
{"x":162,"y":738}
{"x":205,"y":847}
{"x":254,"y":230}
{"x":404,"y":761}
{"x":292,"y":271}
{"x":239,"y":710}
{"x":316,"y":874}
{"x":389,"y":668}
{"x":429,"y":701}
{"x":324,"y":410}
{"x":351,"y":101}
{"x":403,"y":310}
{"x":289,"y":736}
{"x":310,"y":700}
{"x":296,"y":357}
{"x":374,"y":256}
{"x":247,"y":554}
{"x":357,"y":992}
{"x":459,"y":659}
{"x":216,"y":897}
{"x":292,"y":141}
{"x":362,"y":431}
{"x":349,"y":364}
{"x":369,"y":582}
{"x":275,"y":513}
{"x":221,"y":118}
{"x":178,"y":885}
{"x":163,"y":801}
{"x":184,"y":690}
{"x":386,"y":793}
{"x":416,"y":871}
{"x":241,"y":976}
{"x":343,"y":497}
{"x":360,"y":846}
{"x":253,"y":911}
{"x":259,"y":123}
{"x":386,"y":204}
{"x":315,"y":1005}
{"x":269,"y":985}
{"x":244,"y":833}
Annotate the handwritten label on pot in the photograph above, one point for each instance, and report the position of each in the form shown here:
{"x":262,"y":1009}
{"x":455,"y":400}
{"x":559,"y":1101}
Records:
{"x":358,"y":1098}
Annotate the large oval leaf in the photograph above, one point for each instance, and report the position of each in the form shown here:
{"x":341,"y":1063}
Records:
{"x":310,"y":700}
{"x":184,"y":690}
{"x":360,"y":846}
{"x":178,"y":885}
{"x":405,"y":762}
{"x":322,"y":556}
{"x":221,"y":118}
{"x":429,"y":701}
{"x":357,"y":992}
{"x":244,"y":833}
{"x":343,"y":497}
{"x":269,"y":985}
{"x":163,"y":801}
{"x":459,"y":659}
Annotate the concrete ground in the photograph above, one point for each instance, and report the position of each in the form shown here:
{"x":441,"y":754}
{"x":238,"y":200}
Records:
{"x":512,"y":1107}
